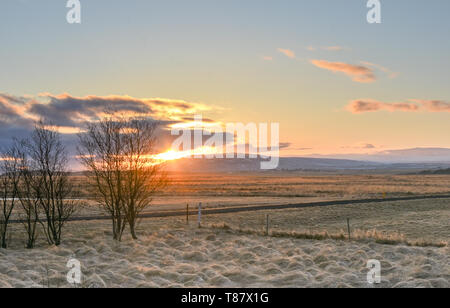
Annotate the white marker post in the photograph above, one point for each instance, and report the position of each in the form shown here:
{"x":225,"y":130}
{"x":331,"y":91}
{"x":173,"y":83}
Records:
{"x":200,"y":215}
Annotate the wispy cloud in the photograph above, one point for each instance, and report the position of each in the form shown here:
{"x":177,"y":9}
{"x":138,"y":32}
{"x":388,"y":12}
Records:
{"x":370,"y":105}
{"x":357,"y":73}
{"x":391,"y":74}
{"x":302,"y":149}
{"x":361,"y":146}
{"x":333,"y":48}
{"x":287,"y":52}
{"x":434,"y":105}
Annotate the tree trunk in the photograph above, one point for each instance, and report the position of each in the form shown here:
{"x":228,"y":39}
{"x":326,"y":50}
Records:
{"x":132,"y":230}
{"x":3,"y":235}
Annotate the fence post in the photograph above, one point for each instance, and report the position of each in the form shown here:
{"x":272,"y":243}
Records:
{"x":200,"y":215}
{"x":187,"y":213}
{"x":348,"y":229}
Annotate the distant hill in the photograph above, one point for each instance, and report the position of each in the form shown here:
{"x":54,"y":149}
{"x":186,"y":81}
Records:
{"x":415,"y":155}
{"x":253,"y":165}
{"x":203,"y":165}
{"x":407,"y":161}
{"x":297,"y":164}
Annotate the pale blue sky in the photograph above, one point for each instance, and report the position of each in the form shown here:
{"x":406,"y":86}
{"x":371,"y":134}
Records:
{"x":212,"y":52}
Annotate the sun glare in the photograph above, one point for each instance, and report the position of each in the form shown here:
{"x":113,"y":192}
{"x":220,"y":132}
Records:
{"x":174,"y":155}
{"x":171,"y":155}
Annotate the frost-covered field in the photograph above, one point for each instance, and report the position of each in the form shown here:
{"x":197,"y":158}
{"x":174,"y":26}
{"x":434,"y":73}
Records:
{"x":171,"y":254}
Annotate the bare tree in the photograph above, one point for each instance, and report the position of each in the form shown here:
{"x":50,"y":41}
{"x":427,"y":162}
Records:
{"x":117,"y":152}
{"x":9,"y":186}
{"x":100,"y":152}
{"x":50,"y":183}
{"x":143,"y":176}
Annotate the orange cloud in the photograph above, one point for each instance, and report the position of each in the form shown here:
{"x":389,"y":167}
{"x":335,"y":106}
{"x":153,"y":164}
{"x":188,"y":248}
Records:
{"x":287,"y":52}
{"x":360,"y":74}
{"x":434,"y":105}
{"x":368,"y":105}
{"x":385,"y":70}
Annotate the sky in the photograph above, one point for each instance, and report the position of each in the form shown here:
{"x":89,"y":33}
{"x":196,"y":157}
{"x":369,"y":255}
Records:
{"x":335,"y":83}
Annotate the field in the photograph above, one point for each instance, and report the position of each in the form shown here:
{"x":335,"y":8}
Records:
{"x":231,"y":250}
{"x":285,"y":187}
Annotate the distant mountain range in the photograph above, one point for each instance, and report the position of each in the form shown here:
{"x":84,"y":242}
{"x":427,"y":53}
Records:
{"x":415,"y":155}
{"x":248,"y":164}
{"x":427,"y":160}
